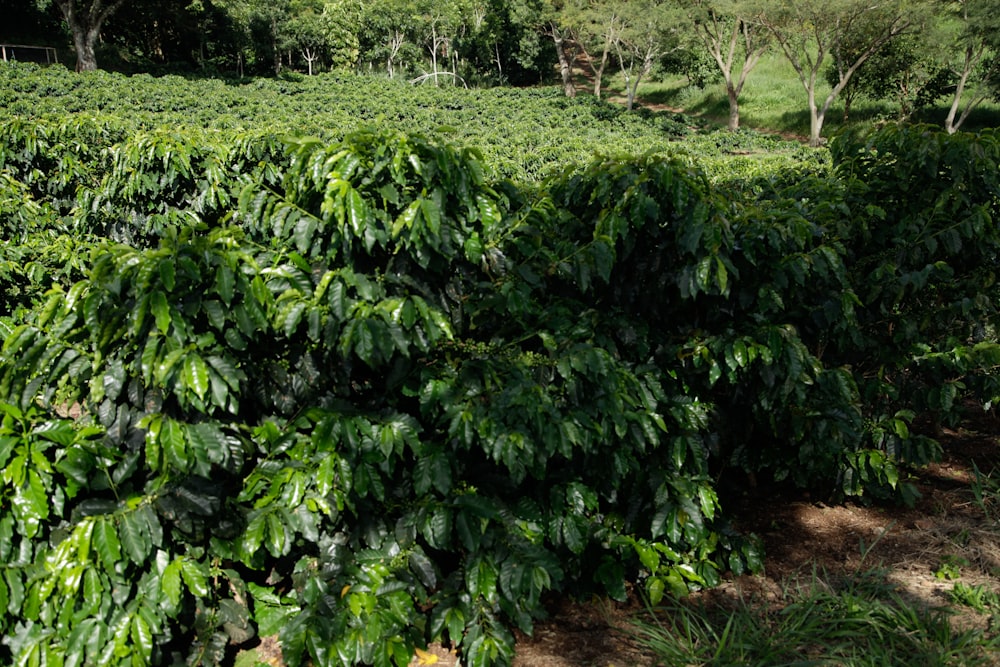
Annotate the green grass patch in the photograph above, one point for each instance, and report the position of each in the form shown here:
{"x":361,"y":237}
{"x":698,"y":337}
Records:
{"x":773,"y":98}
{"x":860,"y":621}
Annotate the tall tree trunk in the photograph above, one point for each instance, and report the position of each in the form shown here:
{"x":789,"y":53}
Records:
{"x":85,"y":26}
{"x":599,"y":70}
{"x":84,"y":42}
{"x":734,"y":107}
{"x":815,"y":120}
{"x":950,"y":125}
{"x":310,"y":56}
{"x":565,"y":63}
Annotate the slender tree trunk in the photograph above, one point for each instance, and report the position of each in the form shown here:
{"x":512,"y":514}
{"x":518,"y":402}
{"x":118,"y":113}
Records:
{"x":274,"y":45}
{"x":734,"y":107}
{"x":815,"y":119}
{"x":565,"y":63}
{"x":434,"y":56}
{"x":395,"y":44}
{"x":599,"y":70}
{"x":647,"y":67}
{"x":950,"y":125}
{"x":723,"y":48}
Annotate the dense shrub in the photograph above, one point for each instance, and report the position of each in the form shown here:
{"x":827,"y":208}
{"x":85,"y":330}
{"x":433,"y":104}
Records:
{"x":363,"y":394}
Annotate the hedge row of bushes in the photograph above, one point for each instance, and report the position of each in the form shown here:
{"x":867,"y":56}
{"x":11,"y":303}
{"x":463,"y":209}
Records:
{"x":363,"y":396}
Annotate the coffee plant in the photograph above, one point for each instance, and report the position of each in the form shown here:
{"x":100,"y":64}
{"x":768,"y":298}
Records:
{"x":329,"y":419}
{"x":360,"y":393}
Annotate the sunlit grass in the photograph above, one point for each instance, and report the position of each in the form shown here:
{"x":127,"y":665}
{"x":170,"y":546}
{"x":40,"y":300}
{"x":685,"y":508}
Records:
{"x":857,"y":622}
{"x":774,"y":99}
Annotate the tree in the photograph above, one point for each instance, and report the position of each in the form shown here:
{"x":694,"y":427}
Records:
{"x":908,"y":70}
{"x":566,"y":52}
{"x":437,"y":24}
{"x":809,"y":31}
{"x":733,"y":40}
{"x":320,"y":32}
{"x":978,"y":66}
{"x":85,"y":19}
{"x":597,"y":26}
{"x":649,"y":32}
{"x":152,"y":33}
{"x":28,"y":23}
{"x":554,"y":24}
{"x":384,"y":32}
{"x":257,"y":27}
{"x":504,"y":41}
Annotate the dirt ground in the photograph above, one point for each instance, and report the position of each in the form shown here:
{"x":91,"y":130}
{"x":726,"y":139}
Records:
{"x":801,"y":536}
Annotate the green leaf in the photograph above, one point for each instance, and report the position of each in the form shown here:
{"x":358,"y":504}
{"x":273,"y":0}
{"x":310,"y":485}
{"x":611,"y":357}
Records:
{"x":168,"y":273}
{"x":357,"y":212}
{"x":437,"y":529}
{"x":303,"y":232}
{"x":253,"y":537}
{"x":195,"y":375}
{"x":170,"y":581}
{"x":142,"y":637}
{"x":31,"y":504}
{"x":208,"y":442}
{"x":161,"y":311}
{"x":406,"y":219}
{"x":422,"y":566}
{"x":481,"y":579}
{"x":474,"y":249}
{"x":455,"y":622}
{"x":215,"y":312}
{"x":58,"y":431}
{"x":193,"y":574}
{"x":114,"y":379}
{"x":654,"y":590}
{"x":227,"y":370}
{"x":363,"y":341}
{"x":648,"y":556}
{"x":105,"y":540}
{"x":290,"y":317}
{"x":721,"y":275}
{"x":271,"y":612}
{"x":135,"y":538}
{"x":225,"y":284}
{"x":174,"y":445}
{"x":277,"y":541}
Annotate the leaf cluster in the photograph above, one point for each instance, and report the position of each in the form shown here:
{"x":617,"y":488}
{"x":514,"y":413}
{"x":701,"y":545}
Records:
{"x":362,"y":394}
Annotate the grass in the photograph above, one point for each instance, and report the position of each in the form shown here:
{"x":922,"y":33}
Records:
{"x":774,"y":99}
{"x":864,"y":617}
{"x":855,"y":622}
{"x":986,"y":492}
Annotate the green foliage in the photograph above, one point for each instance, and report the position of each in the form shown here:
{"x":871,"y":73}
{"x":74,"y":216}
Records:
{"x":332,"y":422}
{"x":921,"y":254}
{"x":162,"y":179}
{"x":542,"y":130}
{"x":364,"y":395}
{"x":977,"y":597}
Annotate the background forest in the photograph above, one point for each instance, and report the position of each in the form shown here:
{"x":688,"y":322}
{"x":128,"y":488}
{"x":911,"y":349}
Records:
{"x":912,"y":53}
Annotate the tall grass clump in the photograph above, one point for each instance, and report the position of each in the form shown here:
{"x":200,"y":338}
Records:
{"x":863,"y":621}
